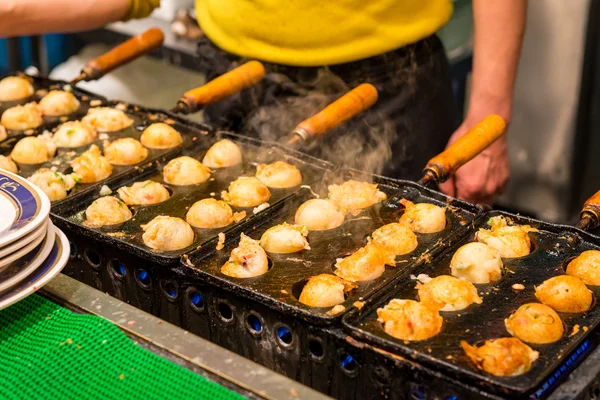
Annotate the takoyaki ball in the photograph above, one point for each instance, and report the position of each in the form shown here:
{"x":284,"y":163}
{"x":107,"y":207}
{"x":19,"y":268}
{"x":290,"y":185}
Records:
{"x":160,"y":136}
{"x":535,"y":323}
{"x":59,"y":102}
{"x":365,"y":264}
{"x":3,"y":133}
{"x":20,"y":118}
{"x":279,"y":175}
{"x":246,"y":192}
{"x":477,"y":263}
{"x":223,"y":154}
{"x":167,"y":233}
{"x":7,"y":164}
{"x":285,"y":238}
{"x":106,"y":119}
{"x":423,"y":217}
{"x":586,"y":267}
{"x":143,"y":193}
{"x":74,"y":134}
{"x":185,"y":170}
{"x":409,"y":320}
{"x":212,"y":213}
{"x":565,"y":294}
{"x":502,"y":357}
{"x":319,"y":215}
{"x":15,"y":88}
{"x":353,"y":196}
{"x":447,"y":293}
{"x":106,"y":211}
{"x":125,"y":151}
{"x":325,"y":290}
{"x":248,"y":260}
{"x":511,"y":241}
{"x":91,"y":166}
{"x":33,"y":150}
{"x":396,"y":238}
{"x":54,"y":184}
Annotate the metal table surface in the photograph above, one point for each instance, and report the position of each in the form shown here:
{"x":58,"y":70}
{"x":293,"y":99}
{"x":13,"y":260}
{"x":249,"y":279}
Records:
{"x":181,"y":347}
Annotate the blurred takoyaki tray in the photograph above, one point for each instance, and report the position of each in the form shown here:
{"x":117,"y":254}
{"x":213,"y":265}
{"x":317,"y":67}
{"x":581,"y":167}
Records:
{"x":56,"y":102}
{"x":288,"y":258}
{"x":517,"y":334}
{"x":109,"y":141}
{"x":174,"y":205}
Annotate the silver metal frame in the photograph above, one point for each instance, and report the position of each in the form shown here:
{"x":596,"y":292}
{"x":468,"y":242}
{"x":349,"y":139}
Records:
{"x":178,"y":343}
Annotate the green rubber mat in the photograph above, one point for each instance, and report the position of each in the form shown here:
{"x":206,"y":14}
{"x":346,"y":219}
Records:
{"x":49,"y":352}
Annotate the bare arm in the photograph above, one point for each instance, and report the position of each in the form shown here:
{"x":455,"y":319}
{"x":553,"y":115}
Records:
{"x":499,"y":28}
{"x":26,"y":17}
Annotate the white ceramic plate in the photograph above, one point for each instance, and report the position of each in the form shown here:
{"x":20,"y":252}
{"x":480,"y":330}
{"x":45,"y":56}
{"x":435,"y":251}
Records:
{"x":30,"y":204}
{"x":51,"y":267}
{"x":8,"y":214}
{"x":22,"y":252}
{"x":24,"y":266}
{"x":18,"y":244}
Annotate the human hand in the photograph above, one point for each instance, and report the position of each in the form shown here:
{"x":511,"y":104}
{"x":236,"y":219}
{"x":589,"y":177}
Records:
{"x":140,"y":9}
{"x":484,"y":177}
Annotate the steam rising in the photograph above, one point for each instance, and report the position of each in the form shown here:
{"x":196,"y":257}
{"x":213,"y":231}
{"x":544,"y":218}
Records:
{"x":363,"y":143}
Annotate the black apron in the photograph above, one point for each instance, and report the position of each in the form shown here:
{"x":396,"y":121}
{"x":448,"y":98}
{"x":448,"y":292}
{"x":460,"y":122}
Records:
{"x":410,"y":123}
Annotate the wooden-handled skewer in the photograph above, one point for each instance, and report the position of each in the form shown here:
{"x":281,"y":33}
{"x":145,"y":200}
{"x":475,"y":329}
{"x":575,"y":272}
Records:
{"x":346,"y":107}
{"x":480,"y":137}
{"x":120,"y":55}
{"x":223,"y":86}
{"x":590,"y":214}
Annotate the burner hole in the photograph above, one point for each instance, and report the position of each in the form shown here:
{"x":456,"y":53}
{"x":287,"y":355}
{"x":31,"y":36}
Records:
{"x":284,"y":334}
{"x":73,"y":251}
{"x":170,"y":290}
{"x":417,"y":392}
{"x":118,"y":268}
{"x":143,"y":278}
{"x":316,"y":348}
{"x":348,"y":363}
{"x":195,"y":298}
{"x":225,"y":312}
{"x":254,"y":324}
{"x":381,"y":375}
{"x":93,"y":258}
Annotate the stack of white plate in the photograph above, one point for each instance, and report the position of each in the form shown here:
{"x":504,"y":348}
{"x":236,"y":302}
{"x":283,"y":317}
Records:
{"x":32,"y":250}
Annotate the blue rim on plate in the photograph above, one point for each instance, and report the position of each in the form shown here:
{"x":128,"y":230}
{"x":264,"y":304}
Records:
{"x":32,"y":206}
{"x":43,"y":274}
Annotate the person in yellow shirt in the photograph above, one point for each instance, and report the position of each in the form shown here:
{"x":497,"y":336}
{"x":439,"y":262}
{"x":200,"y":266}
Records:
{"x":317,"y":50}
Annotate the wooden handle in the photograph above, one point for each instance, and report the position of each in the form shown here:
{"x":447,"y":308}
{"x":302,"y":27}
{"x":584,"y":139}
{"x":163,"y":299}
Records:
{"x":219,"y":88}
{"x":590,"y":214}
{"x":346,"y":107}
{"x":480,"y":137}
{"x":122,"y":54}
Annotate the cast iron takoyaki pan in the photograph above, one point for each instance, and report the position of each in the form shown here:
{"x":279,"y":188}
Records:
{"x":552,"y":248}
{"x":281,"y":286}
{"x":142,"y":118}
{"x":128,"y":236}
{"x":42,"y":86}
